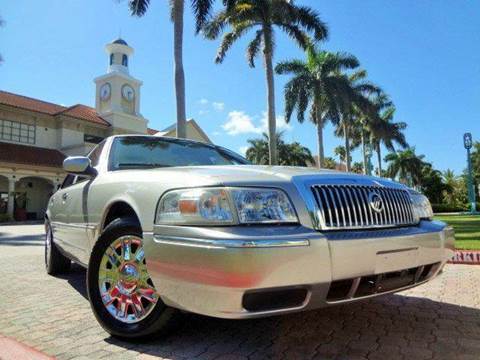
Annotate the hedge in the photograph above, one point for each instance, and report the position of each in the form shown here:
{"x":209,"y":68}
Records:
{"x":445,"y":208}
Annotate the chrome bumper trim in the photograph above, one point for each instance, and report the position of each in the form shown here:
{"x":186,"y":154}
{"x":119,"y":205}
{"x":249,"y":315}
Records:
{"x":225,"y":244}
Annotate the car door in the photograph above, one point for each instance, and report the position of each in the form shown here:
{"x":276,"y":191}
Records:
{"x":77,"y":217}
{"x":58,"y":214}
{"x":77,"y":210}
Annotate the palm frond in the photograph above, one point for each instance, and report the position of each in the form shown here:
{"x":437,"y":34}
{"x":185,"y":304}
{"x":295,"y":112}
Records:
{"x":253,"y":48}
{"x":228,"y":40}
{"x":212,"y":29}
{"x":201,"y":10}
{"x":296,"y":34}
{"x":138,"y":7}
{"x":296,"y":67}
{"x":305,"y":17}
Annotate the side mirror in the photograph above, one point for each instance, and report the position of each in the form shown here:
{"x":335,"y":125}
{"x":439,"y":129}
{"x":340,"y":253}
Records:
{"x":79,"y":165}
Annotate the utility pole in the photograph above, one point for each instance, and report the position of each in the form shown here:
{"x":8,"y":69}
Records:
{"x":467,"y":143}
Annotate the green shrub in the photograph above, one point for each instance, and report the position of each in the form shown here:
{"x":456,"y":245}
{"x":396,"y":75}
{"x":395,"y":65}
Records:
{"x":4,"y":218}
{"x":446,"y":208}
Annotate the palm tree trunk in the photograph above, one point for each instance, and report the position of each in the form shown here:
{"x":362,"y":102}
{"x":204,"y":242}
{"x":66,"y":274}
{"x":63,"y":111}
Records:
{"x":379,"y":157}
{"x":347,"y":146}
{"x":319,"y":122}
{"x":177,"y":12}
{"x":364,"y":153}
{"x":272,"y":131}
{"x":321,"y":156}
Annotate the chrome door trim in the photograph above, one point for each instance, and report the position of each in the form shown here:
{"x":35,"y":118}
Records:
{"x":76,"y":226}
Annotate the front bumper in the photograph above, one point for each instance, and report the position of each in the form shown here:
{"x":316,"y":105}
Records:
{"x":219,"y":271}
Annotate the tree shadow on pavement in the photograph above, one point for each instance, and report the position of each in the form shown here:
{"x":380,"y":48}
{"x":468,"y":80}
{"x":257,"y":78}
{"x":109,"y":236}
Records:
{"x":394,"y":326}
{"x":21,"y":240}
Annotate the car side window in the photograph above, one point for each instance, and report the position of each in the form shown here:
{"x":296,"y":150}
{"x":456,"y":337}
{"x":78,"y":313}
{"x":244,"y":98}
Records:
{"x":67,"y":181}
{"x":95,"y":154}
{"x":79,"y":179}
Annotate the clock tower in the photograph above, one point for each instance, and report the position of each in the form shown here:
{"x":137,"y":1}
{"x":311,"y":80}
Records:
{"x":117,"y":97}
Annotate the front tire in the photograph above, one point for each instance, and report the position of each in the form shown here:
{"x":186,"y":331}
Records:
{"x":55,"y":261}
{"x":121,"y":293}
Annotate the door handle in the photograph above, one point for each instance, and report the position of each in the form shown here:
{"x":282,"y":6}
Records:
{"x":64,"y":196}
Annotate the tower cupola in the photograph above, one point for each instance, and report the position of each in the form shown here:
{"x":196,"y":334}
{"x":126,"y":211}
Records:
{"x":118,"y":54}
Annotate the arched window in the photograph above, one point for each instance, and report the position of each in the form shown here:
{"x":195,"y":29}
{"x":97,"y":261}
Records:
{"x":111,"y":59}
{"x":125,"y":60}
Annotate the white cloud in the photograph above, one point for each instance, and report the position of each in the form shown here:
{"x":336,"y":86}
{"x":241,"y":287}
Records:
{"x":203,"y":101}
{"x":238,"y":122}
{"x":242,"y":150}
{"x":218,"y":106}
{"x":203,"y":112}
{"x":281,"y":123}
{"x":216,"y":133}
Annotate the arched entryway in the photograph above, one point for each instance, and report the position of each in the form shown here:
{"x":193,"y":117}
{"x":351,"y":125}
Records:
{"x":3,"y":198}
{"x":31,"y":197}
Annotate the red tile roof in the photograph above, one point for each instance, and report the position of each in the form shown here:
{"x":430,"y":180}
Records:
{"x":31,"y":155}
{"x":78,"y":111}
{"x":151,"y":131}
{"x":24,"y":102}
{"x":83,"y":112}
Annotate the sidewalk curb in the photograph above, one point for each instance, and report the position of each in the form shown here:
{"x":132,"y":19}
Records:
{"x":469,"y":257}
{"x":11,"y":349}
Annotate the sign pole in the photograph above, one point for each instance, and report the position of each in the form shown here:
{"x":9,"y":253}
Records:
{"x":467,"y":143}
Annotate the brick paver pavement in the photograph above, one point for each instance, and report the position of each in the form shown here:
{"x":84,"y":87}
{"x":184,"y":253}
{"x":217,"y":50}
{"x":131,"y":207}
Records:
{"x":440,"y":320}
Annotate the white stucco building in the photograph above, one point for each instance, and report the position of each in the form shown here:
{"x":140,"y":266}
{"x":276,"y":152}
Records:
{"x":35,"y":136}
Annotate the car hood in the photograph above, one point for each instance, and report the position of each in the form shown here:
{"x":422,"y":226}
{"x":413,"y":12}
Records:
{"x":256,"y":174}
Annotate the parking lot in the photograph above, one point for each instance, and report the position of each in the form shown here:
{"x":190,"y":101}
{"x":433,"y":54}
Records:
{"x":440,"y":320}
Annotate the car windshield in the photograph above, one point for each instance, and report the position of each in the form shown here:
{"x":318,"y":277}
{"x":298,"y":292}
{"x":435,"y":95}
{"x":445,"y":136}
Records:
{"x":137,"y":152}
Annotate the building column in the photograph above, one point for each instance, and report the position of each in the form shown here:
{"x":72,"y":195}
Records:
{"x":11,"y":196}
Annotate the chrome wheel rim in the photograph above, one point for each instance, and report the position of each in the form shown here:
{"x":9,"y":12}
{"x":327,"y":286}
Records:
{"x":125,"y":286}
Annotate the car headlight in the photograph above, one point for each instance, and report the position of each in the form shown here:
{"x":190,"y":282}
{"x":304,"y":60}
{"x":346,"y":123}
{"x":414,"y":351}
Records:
{"x":224,"y":206}
{"x":195,"y":207}
{"x":421,"y":206}
{"x":263,"y":206}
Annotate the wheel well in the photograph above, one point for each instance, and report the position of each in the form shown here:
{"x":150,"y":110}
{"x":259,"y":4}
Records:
{"x":120,"y":210}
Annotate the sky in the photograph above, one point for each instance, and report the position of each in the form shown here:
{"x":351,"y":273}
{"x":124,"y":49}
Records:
{"x":424,"y":54}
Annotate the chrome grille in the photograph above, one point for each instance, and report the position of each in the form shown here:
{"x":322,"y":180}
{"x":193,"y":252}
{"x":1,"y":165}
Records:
{"x":359,"y":207}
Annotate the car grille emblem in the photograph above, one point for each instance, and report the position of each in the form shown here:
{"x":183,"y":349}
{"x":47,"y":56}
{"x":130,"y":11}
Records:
{"x":375,"y":201}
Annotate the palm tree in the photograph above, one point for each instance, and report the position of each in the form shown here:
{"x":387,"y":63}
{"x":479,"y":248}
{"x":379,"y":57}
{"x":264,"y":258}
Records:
{"x":265,"y":16}
{"x":257,"y":152}
{"x":450,"y":180}
{"x":406,"y":165}
{"x":317,"y":82}
{"x":379,"y":128}
{"x":476,"y":162}
{"x":329,"y":163}
{"x":201,"y":10}
{"x":387,"y":132}
{"x":357,"y":105}
{"x":293,"y":154}
{"x":357,"y":167}
{"x":341,"y":152}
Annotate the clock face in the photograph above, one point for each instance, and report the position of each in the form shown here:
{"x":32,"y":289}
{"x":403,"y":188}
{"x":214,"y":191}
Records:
{"x":128,"y":93}
{"x":105,"y":91}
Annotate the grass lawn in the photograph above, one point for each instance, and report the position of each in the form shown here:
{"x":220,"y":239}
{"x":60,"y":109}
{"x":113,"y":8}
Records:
{"x":467,"y":230}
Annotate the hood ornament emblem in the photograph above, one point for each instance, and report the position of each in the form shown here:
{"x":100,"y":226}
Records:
{"x":375,"y":201}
